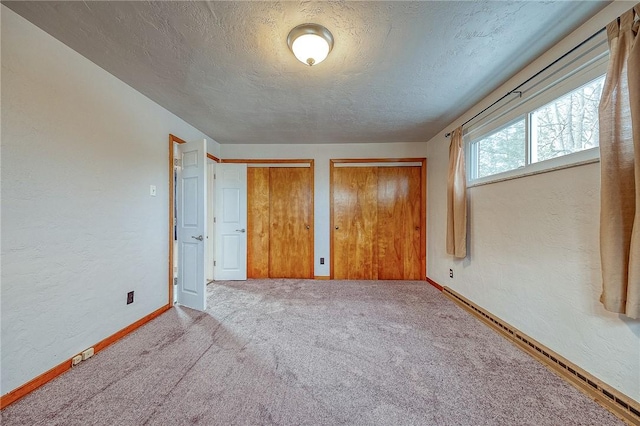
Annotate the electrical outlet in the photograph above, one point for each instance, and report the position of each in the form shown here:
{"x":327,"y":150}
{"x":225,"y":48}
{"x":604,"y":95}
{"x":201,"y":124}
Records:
{"x":130,"y":298}
{"x":450,"y":273}
{"x":86,"y":354}
{"x":322,"y":260}
{"x":76,"y":360}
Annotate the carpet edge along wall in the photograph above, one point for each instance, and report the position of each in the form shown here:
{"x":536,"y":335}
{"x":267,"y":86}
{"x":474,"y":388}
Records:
{"x":47,"y":376}
{"x":619,"y":404}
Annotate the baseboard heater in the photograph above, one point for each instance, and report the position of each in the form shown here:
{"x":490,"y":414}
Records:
{"x":619,"y":404}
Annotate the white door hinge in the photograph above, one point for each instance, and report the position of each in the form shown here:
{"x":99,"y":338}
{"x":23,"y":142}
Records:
{"x":177,"y":162}
{"x":175,"y":280}
{"x":214,"y":220}
{"x":214,"y":263}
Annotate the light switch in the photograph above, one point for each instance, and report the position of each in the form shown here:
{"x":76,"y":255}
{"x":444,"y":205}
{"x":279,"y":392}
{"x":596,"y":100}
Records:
{"x":152,"y":190}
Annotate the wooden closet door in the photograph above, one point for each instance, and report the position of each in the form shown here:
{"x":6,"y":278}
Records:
{"x":355,"y":193}
{"x":290,"y":231}
{"x":398,"y":230}
{"x":258,"y":222}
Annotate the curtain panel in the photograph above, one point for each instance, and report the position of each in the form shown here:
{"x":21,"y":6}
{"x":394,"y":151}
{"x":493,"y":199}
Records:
{"x":619,"y":119}
{"x":457,"y":198}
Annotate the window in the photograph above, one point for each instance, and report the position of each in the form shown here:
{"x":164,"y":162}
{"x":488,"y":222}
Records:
{"x":566,"y":125}
{"x":547,"y":122}
{"x":500,"y":151}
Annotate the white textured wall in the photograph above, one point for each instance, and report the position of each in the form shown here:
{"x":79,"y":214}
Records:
{"x":322,"y":153}
{"x":213,"y":147}
{"x":534,"y":258}
{"x":79,"y":229}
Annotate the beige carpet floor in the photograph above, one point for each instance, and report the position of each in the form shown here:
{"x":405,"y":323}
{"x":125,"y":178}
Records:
{"x":302,"y":352}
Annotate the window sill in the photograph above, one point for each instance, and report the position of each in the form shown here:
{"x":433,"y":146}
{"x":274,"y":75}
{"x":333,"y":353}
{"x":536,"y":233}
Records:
{"x":588,"y":156}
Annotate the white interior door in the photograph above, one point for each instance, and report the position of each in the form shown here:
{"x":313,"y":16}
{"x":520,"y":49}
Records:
{"x":231,"y":222}
{"x":191,"y":196}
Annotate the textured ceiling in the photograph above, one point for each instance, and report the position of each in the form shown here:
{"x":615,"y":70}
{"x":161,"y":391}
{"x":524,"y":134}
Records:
{"x":399,"y":71}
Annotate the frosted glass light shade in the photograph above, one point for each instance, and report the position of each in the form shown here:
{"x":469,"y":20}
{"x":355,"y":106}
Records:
{"x":310,"y":43}
{"x":310,"y":49}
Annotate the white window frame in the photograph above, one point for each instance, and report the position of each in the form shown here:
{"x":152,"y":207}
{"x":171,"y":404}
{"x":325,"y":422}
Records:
{"x":586,"y":67}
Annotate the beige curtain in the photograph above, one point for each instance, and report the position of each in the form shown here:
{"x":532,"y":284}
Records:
{"x":457,"y":198}
{"x":620,"y":169}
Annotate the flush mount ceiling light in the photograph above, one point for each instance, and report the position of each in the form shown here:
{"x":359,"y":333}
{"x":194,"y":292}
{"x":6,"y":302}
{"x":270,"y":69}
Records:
{"x":310,"y":43}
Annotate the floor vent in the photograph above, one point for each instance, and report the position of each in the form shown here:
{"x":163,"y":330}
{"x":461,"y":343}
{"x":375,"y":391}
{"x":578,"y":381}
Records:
{"x":619,"y":404}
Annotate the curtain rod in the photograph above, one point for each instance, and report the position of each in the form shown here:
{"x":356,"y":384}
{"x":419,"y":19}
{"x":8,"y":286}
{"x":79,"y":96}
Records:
{"x":588,"y":39}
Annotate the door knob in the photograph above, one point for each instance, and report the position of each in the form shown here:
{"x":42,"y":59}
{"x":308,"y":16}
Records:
{"x":337,"y":227}
{"x":199,"y":238}
{"x":307,"y":226}
{"x":240,"y":230}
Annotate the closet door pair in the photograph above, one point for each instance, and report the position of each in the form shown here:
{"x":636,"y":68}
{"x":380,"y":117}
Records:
{"x":376,"y":223}
{"x":280,"y":222}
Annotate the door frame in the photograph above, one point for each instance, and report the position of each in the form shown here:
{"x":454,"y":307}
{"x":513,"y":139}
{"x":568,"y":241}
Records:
{"x":423,"y":203}
{"x":172,"y":141}
{"x":273,"y":163}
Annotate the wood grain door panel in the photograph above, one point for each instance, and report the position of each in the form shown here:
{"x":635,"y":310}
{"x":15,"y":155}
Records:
{"x":398,"y":230}
{"x":355,"y":222}
{"x":290,"y":222}
{"x":413,"y":226}
{"x":258,"y":222}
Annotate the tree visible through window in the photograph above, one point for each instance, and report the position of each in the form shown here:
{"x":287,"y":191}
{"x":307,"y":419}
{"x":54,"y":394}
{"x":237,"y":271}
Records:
{"x":564,"y":126}
{"x":568,"y":124}
{"x":502,"y":150}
